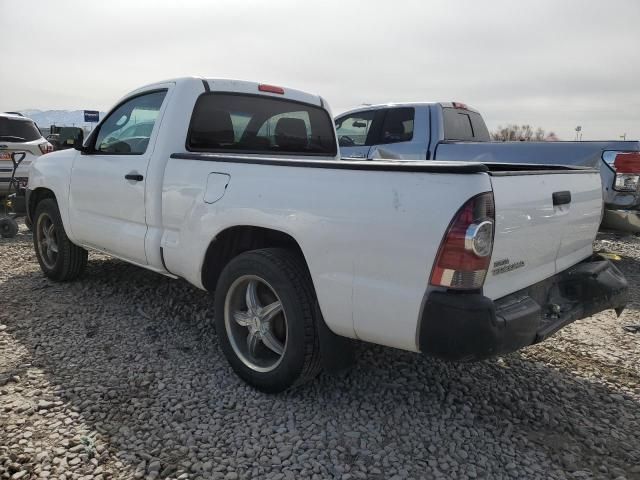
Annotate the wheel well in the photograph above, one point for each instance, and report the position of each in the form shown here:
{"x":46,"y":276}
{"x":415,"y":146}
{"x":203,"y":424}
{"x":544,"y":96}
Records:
{"x":35,"y":197}
{"x":236,"y":240}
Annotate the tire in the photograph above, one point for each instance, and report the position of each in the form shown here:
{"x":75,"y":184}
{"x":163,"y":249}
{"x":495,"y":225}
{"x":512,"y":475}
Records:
{"x":69,"y":261}
{"x":8,"y":227}
{"x":281,"y":277}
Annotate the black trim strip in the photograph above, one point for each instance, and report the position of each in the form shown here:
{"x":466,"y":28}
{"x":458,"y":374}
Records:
{"x":164,"y":265}
{"x":520,"y":173}
{"x":430,"y":132}
{"x":393,"y":166}
{"x":206,"y":85}
{"x":532,"y":167}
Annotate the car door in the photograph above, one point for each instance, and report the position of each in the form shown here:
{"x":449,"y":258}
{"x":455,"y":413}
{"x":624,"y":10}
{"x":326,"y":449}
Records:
{"x":107,"y":189}
{"x":354,"y":131}
{"x":395,"y":136}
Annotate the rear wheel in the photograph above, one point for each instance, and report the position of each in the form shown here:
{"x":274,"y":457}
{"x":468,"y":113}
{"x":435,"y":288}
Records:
{"x":8,"y":227}
{"x":266,"y":321}
{"x":59,"y":259}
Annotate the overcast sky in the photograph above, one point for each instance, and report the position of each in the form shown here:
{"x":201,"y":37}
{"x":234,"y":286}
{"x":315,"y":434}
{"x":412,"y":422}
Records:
{"x":554,"y":64}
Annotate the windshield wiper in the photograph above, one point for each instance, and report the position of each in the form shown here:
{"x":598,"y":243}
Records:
{"x":12,"y":138}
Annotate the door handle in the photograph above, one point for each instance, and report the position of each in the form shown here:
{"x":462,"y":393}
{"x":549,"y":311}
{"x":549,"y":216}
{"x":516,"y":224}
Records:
{"x":357,"y":155}
{"x":136,"y":177}
{"x":561,"y":198}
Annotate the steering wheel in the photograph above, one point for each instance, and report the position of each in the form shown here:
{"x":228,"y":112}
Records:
{"x":346,"y":141}
{"x":138,"y":144}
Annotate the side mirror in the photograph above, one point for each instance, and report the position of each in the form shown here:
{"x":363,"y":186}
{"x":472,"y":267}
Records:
{"x":78,"y":141}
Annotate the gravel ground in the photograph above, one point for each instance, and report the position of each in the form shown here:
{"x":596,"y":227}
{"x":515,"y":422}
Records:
{"x":120,"y":376}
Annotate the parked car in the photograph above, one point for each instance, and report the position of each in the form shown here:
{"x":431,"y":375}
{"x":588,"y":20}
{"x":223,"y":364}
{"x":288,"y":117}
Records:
{"x":240,"y":190}
{"x":18,"y":134}
{"x":65,"y":137}
{"x":453,"y":131}
{"x":54,"y":140}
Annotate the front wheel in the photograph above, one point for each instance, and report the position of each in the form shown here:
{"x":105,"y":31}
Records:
{"x":265,"y":319}
{"x":59,"y":259}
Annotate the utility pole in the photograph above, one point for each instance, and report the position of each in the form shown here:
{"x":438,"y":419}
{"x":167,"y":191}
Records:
{"x":578,"y":133}
{"x":623,"y":136}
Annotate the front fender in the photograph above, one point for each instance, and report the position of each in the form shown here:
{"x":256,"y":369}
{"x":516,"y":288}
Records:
{"x":53,"y":172}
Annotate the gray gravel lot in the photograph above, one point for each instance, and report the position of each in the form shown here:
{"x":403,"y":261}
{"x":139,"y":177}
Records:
{"x":120,"y":376}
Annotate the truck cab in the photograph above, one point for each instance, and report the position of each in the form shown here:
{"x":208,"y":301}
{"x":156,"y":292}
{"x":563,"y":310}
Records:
{"x":407,"y":131}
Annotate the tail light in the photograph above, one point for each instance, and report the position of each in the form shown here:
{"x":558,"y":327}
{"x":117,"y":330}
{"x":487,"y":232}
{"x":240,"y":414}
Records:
{"x":626,"y":166}
{"x":45,"y":147}
{"x":465,"y":251}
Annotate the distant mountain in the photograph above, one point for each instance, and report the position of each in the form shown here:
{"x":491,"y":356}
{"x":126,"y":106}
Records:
{"x":62,"y":118}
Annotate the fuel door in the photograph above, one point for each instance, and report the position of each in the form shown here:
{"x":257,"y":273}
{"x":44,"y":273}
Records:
{"x":216,"y":186}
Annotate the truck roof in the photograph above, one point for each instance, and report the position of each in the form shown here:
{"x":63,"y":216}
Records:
{"x":15,"y":116}
{"x":241,"y":86}
{"x":407,"y":104}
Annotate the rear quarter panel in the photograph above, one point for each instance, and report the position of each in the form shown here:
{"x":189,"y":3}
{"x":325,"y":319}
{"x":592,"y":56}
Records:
{"x":369,"y":238}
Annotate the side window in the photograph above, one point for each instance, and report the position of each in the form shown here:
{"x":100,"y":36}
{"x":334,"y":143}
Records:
{"x":128,"y":128}
{"x":397,"y":125}
{"x":353,"y":129}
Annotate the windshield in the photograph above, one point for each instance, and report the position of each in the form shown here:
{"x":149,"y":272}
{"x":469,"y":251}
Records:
{"x":18,"y":130}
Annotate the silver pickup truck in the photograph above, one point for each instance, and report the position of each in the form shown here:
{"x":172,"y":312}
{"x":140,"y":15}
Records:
{"x":453,"y":131}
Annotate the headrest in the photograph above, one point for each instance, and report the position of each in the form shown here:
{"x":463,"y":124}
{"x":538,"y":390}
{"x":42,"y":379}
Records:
{"x":212,"y":130}
{"x":291,"y":133}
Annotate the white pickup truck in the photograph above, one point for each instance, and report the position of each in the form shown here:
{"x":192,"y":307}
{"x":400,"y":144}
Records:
{"x":238,"y":188}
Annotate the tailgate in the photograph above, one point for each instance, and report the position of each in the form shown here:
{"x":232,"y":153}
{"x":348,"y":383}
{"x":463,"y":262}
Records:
{"x":546,"y":221}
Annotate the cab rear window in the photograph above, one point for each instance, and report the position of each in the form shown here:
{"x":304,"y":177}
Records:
{"x":18,"y":130}
{"x":463,"y":125}
{"x":243,"y":123}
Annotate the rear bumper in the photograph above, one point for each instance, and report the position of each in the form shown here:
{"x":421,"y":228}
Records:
{"x":470,"y":326}
{"x":623,"y":220}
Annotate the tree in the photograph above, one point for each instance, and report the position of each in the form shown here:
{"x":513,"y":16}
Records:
{"x":522,"y":133}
